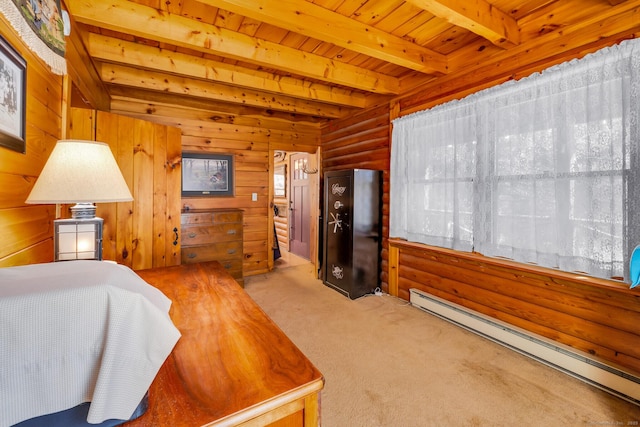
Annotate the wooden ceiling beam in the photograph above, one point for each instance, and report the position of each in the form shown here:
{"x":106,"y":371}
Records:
{"x":143,"y":21}
{"x":162,"y":113}
{"x":616,"y":20}
{"x":584,"y":37}
{"x":83,"y":73}
{"x":223,"y":111}
{"x":115,"y":50}
{"x":477,"y":16}
{"x":303,"y":17}
{"x":135,"y":77}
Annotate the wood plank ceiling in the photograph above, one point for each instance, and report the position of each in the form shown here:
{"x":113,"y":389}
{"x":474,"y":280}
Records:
{"x":313,"y":61}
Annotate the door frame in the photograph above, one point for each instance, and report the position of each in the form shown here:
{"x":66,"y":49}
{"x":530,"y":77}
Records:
{"x":314,"y":161}
{"x":300,"y":205}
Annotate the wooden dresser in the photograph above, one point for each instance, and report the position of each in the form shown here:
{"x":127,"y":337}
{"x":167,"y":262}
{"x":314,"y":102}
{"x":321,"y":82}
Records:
{"x":232,"y":366}
{"x":213,"y":235}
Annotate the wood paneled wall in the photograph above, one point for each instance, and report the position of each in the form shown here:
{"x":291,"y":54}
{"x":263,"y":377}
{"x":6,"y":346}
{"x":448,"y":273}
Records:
{"x":251,"y":158}
{"x":27,"y":230}
{"x":250,"y":141}
{"x":139,"y":234}
{"x":359,"y":141}
{"x":362,"y":141}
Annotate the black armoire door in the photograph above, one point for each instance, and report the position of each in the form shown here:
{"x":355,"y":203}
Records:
{"x":352,"y":231}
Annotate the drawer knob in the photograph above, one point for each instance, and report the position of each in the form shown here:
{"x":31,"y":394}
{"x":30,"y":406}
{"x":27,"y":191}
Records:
{"x":192,"y":234}
{"x":227,"y":265}
{"x":191,"y":255}
{"x":231,"y":232}
{"x":231,"y":251}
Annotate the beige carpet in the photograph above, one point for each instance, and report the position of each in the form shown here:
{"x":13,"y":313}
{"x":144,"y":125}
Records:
{"x":387,"y":363}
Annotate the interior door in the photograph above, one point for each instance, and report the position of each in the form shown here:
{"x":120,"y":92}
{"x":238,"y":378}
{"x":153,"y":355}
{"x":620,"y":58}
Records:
{"x":300,"y":207}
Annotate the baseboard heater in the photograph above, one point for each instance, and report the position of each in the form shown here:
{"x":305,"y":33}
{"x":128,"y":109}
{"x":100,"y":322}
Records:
{"x":570,"y":361}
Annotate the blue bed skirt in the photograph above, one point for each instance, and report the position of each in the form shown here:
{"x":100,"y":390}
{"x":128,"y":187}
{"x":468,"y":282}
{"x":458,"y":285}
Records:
{"x":77,"y":417}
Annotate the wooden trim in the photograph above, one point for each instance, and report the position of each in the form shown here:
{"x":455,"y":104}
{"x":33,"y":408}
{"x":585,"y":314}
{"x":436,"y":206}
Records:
{"x":312,"y":410}
{"x":394,"y":258}
{"x":270,"y":217}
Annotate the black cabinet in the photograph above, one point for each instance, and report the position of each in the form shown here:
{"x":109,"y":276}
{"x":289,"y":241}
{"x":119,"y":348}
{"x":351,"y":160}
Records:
{"x":352,"y":231}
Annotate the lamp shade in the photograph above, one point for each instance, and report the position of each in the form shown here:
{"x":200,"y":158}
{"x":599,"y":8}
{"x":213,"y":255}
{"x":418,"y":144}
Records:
{"x":80,"y":172}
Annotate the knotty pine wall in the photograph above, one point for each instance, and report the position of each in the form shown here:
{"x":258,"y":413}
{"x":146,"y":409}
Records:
{"x":360,"y":141}
{"x":27,"y":230}
{"x":251,"y":142}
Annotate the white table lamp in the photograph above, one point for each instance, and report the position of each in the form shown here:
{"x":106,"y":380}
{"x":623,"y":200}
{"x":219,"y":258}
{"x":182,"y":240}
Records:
{"x":80,"y":172}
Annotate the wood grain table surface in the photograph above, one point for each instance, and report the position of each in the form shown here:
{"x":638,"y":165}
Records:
{"x":232,"y":364}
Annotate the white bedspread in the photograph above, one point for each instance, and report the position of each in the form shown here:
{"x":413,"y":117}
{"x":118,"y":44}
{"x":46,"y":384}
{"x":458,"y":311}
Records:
{"x":79,"y":331}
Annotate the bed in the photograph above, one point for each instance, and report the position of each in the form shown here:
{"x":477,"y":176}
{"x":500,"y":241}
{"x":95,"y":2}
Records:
{"x":80,"y":343}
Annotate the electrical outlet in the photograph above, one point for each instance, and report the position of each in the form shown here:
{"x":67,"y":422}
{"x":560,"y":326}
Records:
{"x":254,"y":197}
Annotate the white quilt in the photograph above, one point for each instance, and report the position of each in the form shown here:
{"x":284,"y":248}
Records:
{"x":79,"y":331}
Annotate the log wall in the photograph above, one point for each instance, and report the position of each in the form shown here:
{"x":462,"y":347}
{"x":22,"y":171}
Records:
{"x":358,"y":141}
{"x":27,"y":230}
{"x":281,"y":221}
{"x":361,"y":141}
{"x":584,"y":313}
{"x":596,"y":316}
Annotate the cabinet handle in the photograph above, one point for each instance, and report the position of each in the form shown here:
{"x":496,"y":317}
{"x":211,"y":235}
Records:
{"x":192,"y":234}
{"x":191,"y":255}
{"x":175,"y":237}
{"x":231,"y":251}
{"x":231,"y":232}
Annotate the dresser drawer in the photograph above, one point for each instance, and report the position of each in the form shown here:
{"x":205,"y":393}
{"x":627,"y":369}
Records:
{"x":212,"y":252}
{"x":198,"y":235}
{"x":213,"y":235}
{"x":210,"y":218}
{"x":234,"y":267}
{"x":203,"y":253}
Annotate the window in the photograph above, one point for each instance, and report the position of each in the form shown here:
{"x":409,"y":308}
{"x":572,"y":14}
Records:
{"x":538,"y":170}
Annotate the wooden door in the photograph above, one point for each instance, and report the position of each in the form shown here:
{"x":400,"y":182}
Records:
{"x":300,"y":207}
{"x":142,"y":233}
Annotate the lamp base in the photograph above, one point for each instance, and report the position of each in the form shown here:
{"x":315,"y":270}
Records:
{"x":83,"y":211}
{"x":75,"y":239}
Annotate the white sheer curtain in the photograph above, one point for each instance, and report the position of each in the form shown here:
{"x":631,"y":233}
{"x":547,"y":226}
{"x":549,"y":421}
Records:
{"x":541,"y":170}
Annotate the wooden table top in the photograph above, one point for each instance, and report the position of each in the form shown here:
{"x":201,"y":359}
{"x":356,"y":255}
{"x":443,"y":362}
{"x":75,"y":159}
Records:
{"x":232,"y":362}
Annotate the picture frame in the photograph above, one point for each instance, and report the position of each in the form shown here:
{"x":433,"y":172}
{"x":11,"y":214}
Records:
{"x":207,"y":175}
{"x":13,"y":85}
{"x":280,"y":181}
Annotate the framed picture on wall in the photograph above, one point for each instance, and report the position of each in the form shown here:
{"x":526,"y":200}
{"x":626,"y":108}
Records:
{"x":206,"y":175}
{"x":13,"y":81}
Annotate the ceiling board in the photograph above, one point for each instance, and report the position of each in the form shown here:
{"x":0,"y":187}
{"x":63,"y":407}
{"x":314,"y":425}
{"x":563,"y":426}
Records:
{"x":357,"y":49}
